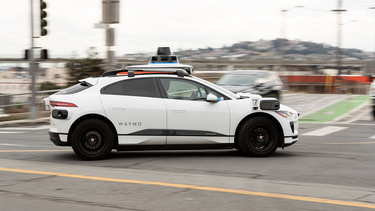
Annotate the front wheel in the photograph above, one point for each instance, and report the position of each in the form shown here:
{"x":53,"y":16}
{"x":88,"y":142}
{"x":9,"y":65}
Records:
{"x":259,"y":137}
{"x":92,"y":139}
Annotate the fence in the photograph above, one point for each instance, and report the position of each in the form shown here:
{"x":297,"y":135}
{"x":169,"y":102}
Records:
{"x":8,"y":101}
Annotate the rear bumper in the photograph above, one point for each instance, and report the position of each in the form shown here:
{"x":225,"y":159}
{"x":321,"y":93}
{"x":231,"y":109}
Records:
{"x":55,"y":138}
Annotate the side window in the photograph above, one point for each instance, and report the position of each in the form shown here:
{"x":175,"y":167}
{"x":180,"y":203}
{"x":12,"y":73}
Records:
{"x":114,"y":89}
{"x":144,"y":87}
{"x":183,"y":89}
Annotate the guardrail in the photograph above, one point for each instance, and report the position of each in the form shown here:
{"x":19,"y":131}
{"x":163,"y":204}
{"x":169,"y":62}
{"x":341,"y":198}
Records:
{"x":25,"y":103}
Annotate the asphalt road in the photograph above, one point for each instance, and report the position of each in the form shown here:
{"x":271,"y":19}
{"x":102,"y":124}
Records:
{"x":330,"y":168}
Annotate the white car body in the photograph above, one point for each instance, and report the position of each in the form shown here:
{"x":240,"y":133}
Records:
{"x":138,"y":122}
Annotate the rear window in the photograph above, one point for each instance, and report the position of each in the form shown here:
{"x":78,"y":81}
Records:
{"x":74,"y":89}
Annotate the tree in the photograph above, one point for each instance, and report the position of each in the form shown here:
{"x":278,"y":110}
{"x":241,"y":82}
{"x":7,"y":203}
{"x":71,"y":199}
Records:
{"x":48,"y":86}
{"x":80,"y":68}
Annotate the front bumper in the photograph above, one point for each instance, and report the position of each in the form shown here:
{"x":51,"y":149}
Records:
{"x":290,"y":140}
{"x":55,"y":138}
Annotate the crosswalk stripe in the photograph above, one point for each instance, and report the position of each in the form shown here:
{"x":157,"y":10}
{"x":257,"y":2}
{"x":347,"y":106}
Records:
{"x":324,"y":131}
{"x":373,"y":137}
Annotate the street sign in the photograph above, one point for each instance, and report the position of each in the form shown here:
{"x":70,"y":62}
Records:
{"x":111,"y":11}
{"x":101,"y":26}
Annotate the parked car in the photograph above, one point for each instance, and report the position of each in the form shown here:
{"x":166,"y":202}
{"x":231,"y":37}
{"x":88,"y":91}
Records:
{"x":264,"y":83}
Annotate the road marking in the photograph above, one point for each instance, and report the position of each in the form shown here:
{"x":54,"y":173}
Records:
{"x":352,"y":143}
{"x":337,"y":143}
{"x":197,"y":187}
{"x":373,"y":137}
{"x":19,"y":145}
{"x":324,"y":131}
{"x":27,"y":128}
{"x":9,"y":132}
{"x":341,"y":108}
{"x":58,"y":150}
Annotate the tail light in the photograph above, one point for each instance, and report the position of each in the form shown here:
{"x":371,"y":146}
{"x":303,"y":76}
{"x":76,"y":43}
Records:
{"x":63,"y":104}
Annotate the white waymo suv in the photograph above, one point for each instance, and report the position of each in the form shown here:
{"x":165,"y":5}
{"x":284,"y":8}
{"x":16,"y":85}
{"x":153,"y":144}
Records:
{"x":162,"y":106}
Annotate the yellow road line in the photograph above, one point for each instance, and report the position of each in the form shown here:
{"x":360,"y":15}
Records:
{"x":60,"y":150}
{"x":352,"y":143}
{"x":335,"y":143}
{"x":196,"y":187}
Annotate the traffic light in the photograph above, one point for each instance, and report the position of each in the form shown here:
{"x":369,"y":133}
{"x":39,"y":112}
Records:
{"x":44,"y":54}
{"x":26,"y":57}
{"x":43,"y":15}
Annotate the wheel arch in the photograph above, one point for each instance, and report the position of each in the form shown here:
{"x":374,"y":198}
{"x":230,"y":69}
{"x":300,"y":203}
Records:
{"x":269,"y":116}
{"x":93,"y":116}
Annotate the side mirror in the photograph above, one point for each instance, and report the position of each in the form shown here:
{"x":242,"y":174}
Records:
{"x":212,"y":98}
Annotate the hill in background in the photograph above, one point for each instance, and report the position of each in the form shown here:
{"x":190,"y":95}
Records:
{"x":295,"y":50}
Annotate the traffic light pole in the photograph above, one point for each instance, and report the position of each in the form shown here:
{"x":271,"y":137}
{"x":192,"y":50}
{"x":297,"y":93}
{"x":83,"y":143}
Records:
{"x":33,"y":111}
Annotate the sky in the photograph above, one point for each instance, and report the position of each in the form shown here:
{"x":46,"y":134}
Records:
{"x":188,"y":24}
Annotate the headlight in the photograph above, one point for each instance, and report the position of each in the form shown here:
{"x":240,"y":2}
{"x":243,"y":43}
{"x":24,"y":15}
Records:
{"x":287,"y":114}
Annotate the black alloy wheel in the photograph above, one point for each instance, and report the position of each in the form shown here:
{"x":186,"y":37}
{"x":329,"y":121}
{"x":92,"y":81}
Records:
{"x":92,"y":139}
{"x":259,"y":137}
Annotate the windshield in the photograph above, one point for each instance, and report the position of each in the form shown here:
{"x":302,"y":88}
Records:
{"x":237,"y":80}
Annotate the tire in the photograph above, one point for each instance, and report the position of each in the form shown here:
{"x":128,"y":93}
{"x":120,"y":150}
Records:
{"x":259,"y":137}
{"x":92,"y":139}
{"x":373,"y":112}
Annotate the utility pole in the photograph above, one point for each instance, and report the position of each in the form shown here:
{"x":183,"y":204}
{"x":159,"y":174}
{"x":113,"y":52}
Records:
{"x":29,"y":54}
{"x":282,"y":44}
{"x":33,"y":111}
{"x":282,"y":35}
{"x":339,"y":10}
{"x":374,"y":49}
{"x":111,"y":15}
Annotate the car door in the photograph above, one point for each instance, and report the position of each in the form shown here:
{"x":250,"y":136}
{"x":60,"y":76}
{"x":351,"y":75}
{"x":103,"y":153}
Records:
{"x":190,"y":119}
{"x":137,"y":111}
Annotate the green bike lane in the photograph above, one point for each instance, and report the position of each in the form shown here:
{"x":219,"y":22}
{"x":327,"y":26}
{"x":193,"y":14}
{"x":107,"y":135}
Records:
{"x":335,"y":110}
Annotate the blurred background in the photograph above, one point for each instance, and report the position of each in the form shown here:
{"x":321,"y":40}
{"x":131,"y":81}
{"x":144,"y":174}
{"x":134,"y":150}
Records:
{"x":314,"y":46}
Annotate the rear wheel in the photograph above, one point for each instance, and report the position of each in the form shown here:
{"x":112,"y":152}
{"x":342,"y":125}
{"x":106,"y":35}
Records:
{"x":92,"y":139}
{"x":259,"y":137}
